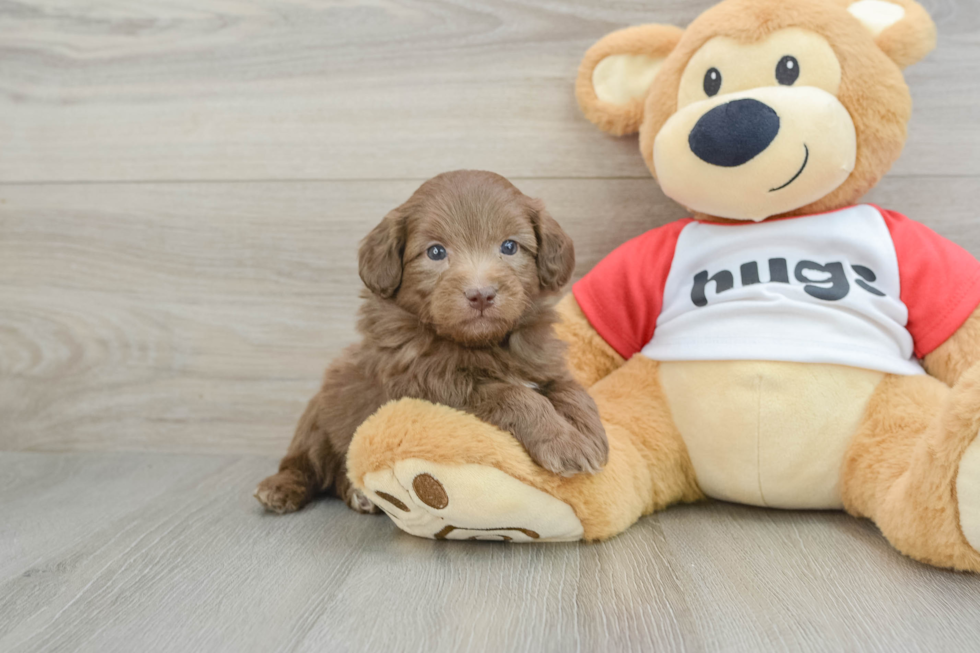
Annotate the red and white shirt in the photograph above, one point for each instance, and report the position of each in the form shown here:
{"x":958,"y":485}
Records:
{"x":861,"y":286}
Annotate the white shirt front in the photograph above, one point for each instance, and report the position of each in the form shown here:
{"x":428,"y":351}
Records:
{"x":817,"y":289}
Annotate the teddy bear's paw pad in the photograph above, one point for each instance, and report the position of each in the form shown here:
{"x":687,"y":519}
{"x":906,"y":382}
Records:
{"x":968,"y":493}
{"x":469,"y":502}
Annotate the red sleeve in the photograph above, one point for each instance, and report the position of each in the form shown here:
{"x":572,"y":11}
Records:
{"x":623,"y":294}
{"x":939,"y":280}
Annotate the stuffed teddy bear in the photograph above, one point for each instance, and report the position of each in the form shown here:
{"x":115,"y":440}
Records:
{"x":784,"y":346}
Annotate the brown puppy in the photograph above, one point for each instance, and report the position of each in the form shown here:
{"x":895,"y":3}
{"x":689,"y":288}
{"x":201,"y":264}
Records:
{"x":462,"y":278}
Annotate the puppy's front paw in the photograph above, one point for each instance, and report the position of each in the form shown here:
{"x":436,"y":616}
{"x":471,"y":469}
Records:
{"x":360,"y":503}
{"x":354,"y":498}
{"x":282,"y":493}
{"x":571,"y":452}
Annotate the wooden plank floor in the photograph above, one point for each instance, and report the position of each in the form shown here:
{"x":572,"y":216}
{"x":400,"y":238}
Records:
{"x":182,"y":189}
{"x":138,"y":552}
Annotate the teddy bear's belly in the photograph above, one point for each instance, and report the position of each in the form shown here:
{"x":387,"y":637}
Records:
{"x":768,"y":433}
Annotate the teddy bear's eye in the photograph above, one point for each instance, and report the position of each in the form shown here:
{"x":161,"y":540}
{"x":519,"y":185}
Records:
{"x":712,"y":82}
{"x":787,"y":70}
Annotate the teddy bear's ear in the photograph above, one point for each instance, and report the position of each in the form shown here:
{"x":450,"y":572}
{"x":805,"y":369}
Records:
{"x":902,"y":28}
{"x":617,"y":72}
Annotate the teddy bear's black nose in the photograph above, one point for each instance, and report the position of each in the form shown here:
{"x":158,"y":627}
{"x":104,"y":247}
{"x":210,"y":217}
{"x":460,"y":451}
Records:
{"x":734,"y":133}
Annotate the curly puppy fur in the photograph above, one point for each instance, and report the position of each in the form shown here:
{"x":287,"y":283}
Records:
{"x":462,"y":281}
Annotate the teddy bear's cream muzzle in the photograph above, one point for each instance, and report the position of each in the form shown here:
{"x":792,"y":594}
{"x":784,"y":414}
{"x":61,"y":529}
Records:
{"x":757,"y":153}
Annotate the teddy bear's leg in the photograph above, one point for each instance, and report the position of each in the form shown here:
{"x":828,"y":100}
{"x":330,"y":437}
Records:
{"x":913,"y":467}
{"x":444,"y":474}
{"x":649,"y":467}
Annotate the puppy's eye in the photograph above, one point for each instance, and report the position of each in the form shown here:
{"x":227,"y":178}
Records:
{"x":787,"y":70}
{"x":712,"y":82}
{"x":509,"y":248}
{"x":436,"y":252}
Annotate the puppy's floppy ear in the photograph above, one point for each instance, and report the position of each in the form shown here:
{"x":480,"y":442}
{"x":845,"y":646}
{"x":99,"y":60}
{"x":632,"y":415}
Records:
{"x":379,"y":259}
{"x":901,"y":28}
{"x":556,"y":252}
{"x":617,"y":73}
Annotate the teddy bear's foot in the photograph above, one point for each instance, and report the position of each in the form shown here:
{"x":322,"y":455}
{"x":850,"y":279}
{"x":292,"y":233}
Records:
{"x":968,"y":493}
{"x":468,"y":502}
{"x":914,"y":468}
{"x":442,"y":473}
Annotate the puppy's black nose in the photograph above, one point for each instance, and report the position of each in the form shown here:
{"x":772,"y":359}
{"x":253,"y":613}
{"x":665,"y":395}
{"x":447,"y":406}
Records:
{"x":480,"y":298}
{"x":734,"y":133}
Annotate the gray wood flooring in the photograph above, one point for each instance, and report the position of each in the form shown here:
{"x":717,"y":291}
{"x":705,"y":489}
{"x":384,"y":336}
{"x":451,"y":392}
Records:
{"x":182,"y":187}
{"x":137,"y":552}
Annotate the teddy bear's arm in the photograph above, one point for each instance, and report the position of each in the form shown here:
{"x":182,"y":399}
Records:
{"x":590,"y":358}
{"x":948,"y":361}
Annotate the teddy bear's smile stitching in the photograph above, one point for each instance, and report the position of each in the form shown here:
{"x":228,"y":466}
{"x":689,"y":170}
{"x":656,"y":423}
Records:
{"x":806,"y":159}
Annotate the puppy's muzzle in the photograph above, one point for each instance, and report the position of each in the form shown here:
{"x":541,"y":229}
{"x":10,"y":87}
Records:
{"x":481,"y":298}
